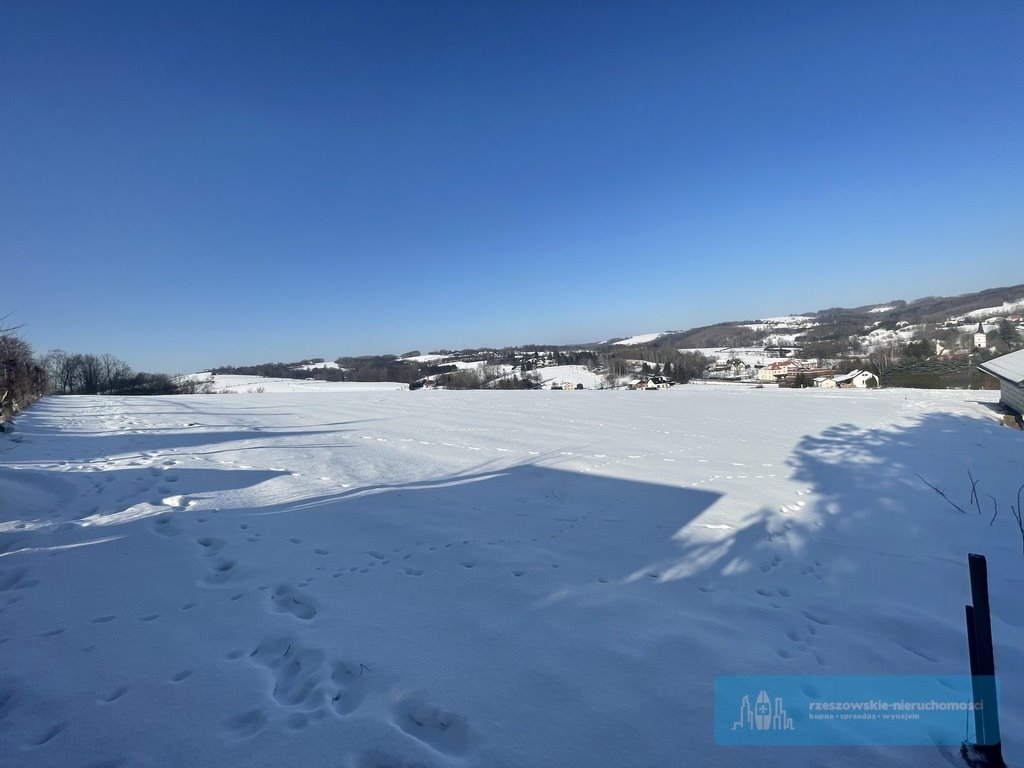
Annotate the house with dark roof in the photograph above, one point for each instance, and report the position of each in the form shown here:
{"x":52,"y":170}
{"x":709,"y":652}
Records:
{"x":1009,"y":369}
{"x":980,"y":339}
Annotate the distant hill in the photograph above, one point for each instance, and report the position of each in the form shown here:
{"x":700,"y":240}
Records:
{"x":842,"y":322}
{"x":872,"y":336}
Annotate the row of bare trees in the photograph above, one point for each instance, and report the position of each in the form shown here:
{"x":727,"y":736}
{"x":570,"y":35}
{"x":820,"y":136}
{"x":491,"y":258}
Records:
{"x":86,"y":374}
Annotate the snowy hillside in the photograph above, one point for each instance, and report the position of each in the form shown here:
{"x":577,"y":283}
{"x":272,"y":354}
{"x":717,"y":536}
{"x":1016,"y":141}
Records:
{"x":569,"y":374}
{"x":1006,"y":308}
{"x":643,"y":338}
{"x":321,"y":366}
{"x":483,"y":579}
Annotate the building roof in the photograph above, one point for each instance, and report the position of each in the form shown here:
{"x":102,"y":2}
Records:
{"x":1008,"y":367}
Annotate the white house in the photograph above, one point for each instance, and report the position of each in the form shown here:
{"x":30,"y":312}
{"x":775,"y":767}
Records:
{"x":1009,"y":369}
{"x":859,"y":379}
{"x":980,"y":339}
{"x":653,"y":382}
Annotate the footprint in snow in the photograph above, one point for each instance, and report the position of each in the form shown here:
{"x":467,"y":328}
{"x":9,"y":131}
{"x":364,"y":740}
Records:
{"x":246,"y":724}
{"x":441,"y":730}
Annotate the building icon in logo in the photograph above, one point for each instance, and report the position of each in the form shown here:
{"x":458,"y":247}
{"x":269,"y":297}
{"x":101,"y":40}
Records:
{"x":764,"y":715}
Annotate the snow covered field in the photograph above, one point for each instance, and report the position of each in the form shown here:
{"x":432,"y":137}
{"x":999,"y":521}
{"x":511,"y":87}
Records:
{"x":385,"y":579}
{"x":238,"y":384}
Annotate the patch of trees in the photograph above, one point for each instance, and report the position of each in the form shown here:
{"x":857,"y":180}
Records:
{"x":529,"y":380}
{"x":677,"y":366}
{"x":87,"y":374}
{"x":467,"y":378}
{"x":1005,"y":338}
{"x":22,"y":378}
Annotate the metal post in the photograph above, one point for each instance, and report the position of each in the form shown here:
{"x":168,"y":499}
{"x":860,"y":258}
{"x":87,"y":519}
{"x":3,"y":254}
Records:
{"x":983,"y":664}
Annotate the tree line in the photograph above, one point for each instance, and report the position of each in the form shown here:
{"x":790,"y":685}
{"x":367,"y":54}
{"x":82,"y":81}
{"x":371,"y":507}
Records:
{"x":22,"y":378}
{"x":74,"y":373}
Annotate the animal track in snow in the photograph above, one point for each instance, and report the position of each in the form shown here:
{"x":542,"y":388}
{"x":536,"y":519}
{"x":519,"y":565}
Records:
{"x":348,"y":682}
{"x":287,"y":599}
{"x":443,"y":731}
{"x":222,"y":572}
{"x":166,"y":526}
{"x":302,"y":679}
{"x":247,"y":723}
{"x":211,"y":545}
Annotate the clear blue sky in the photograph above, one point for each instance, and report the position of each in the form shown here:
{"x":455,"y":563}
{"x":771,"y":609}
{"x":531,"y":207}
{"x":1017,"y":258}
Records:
{"x":186,"y":184}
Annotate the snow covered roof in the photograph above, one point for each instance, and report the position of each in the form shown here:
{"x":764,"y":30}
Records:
{"x":1008,"y":367}
{"x":851,"y":375}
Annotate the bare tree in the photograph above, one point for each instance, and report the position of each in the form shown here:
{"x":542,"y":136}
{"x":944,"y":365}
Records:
{"x":63,"y":368}
{"x":883,"y":357}
{"x":114,"y":372}
{"x":90,"y":374}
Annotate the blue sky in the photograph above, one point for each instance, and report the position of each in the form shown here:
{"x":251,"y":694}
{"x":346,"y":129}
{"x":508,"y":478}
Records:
{"x":190,"y":184}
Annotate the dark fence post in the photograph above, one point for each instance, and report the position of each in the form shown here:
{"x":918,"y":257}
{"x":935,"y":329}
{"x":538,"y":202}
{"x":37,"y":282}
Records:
{"x":983,"y":664}
{"x":972,"y":649}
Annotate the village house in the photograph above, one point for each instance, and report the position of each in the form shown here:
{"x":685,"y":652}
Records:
{"x":778,"y":370}
{"x":1009,"y":370}
{"x":858,"y":379}
{"x":806,"y":376}
{"x":651,"y":382}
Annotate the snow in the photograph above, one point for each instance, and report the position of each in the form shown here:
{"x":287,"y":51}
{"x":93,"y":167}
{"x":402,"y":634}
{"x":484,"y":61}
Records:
{"x":880,"y":310}
{"x":643,"y":338}
{"x":750,"y":356}
{"x":319,"y":366}
{"x":1004,"y":309}
{"x":477,"y":579}
{"x":788,"y":321}
{"x":232,"y":384}
{"x":425,"y":358}
{"x":570,"y":374}
{"x":882,"y":337}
